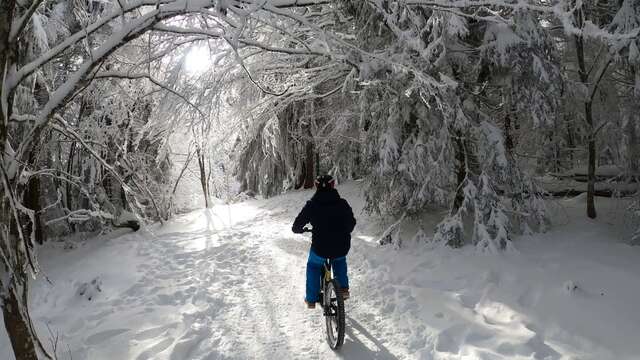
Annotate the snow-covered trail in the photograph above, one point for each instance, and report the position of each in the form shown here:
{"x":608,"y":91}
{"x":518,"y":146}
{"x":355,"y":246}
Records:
{"x":241,"y":296}
{"x":228,"y":283}
{"x":250,"y":278}
{"x":237,"y":290}
{"x":224,"y":283}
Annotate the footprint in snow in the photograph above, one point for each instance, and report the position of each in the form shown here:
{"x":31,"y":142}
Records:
{"x":154,"y":332}
{"x":448,"y":341}
{"x":468,"y":301}
{"x":101,"y":315}
{"x":104,"y":335}
{"x":155,"y":349}
{"x":188,"y":343}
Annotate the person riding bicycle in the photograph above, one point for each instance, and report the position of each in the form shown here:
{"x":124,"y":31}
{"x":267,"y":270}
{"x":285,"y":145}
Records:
{"x":332,"y":220}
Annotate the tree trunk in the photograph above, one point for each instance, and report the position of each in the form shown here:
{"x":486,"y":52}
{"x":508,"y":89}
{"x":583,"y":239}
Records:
{"x":6,"y":19}
{"x":461,"y":171}
{"x":510,"y":112}
{"x":588,"y":115}
{"x":16,"y":325}
{"x":570,"y":142}
{"x":591,"y":174}
{"x":14,"y":289}
{"x":308,"y":168}
{"x":15,"y":314}
{"x":633,"y":141}
{"x":633,"y":146}
{"x":32,"y":201}
{"x":203,"y":177}
{"x":184,"y":168}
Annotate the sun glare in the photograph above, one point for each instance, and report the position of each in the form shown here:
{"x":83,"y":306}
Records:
{"x":197,"y":60}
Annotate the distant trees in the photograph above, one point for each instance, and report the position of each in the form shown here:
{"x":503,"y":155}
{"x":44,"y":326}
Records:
{"x":461,"y":104}
{"x":83,"y":141}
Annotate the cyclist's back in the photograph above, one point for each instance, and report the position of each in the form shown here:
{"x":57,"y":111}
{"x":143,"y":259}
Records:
{"x":332,"y":220}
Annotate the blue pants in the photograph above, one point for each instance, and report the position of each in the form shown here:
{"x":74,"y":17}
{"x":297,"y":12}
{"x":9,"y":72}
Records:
{"x":314,"y":274}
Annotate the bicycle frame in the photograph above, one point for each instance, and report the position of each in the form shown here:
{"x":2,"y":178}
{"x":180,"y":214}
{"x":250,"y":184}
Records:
{"x":326,"y":278}
{"x":332,"y":308}
{"x":327,"y":270}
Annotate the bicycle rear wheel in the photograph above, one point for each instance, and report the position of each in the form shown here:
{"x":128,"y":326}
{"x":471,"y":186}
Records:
{"x":334,"y":314}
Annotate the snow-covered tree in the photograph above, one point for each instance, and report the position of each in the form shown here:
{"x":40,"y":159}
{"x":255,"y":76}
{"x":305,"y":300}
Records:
{"x":51,"y":52}
{"x":447,"y":102}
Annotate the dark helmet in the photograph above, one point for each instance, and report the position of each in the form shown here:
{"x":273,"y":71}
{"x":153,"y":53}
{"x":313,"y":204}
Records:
{"x":325,"y":182}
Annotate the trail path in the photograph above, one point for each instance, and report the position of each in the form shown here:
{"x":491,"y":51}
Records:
{"x":225,"y":283}
{"x":240,"y":290}
{"x":228,"y":283}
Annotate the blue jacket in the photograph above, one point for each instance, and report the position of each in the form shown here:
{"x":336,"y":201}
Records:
{"x":332,"y":220}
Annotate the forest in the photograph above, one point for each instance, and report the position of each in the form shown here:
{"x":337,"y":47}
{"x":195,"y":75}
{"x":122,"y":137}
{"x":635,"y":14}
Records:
{"x":478,"y":109}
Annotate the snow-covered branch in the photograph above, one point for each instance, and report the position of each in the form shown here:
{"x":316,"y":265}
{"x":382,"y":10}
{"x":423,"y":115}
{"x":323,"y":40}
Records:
{"x":80,"y":35}
{"x":130,"y":76}
{"x":247,"y":42}
{"x":81,"y":215}
{"x":20,"y":23}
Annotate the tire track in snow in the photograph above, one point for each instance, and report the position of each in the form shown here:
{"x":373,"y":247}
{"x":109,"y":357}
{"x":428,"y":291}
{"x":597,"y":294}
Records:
{"x":229,"y":293}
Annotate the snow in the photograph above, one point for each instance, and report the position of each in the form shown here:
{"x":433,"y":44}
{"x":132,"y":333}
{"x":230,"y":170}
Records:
{"x":576,"y":180}
{"x":558,"y":185}
{"x":601,"y":171}
{"x":228,"y":283}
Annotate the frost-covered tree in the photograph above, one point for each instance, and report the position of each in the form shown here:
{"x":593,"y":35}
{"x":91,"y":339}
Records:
{"x":445,"y":103}
{"x":456,"y":71}
{"x":51,"y":52}
{"x":287,"y":115}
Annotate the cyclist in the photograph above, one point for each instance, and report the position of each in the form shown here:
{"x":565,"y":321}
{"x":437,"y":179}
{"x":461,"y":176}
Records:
{"x":332,"y":220}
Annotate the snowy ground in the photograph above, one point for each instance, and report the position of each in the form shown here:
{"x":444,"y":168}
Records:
{"x":228,"y":283}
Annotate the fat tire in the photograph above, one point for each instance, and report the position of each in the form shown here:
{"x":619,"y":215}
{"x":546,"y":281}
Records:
{"x":335,"y":341}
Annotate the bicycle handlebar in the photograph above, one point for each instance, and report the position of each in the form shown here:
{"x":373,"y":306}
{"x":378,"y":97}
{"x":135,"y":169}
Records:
{"x":304,"y":230}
